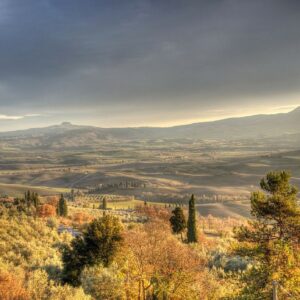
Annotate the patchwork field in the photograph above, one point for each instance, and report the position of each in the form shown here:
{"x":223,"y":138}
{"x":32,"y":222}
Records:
{"x":221,"y":174}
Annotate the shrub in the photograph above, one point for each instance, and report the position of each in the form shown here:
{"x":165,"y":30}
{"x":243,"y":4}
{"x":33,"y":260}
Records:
{"x":46,"y":211}
{"x":11,"y":287}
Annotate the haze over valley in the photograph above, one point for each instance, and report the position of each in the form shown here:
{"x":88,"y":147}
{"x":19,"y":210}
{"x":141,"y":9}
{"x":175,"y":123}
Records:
{"x":221,"y":162}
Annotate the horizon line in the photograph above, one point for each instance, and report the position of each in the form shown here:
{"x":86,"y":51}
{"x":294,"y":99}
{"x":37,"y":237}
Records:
{"x":239,"y":116}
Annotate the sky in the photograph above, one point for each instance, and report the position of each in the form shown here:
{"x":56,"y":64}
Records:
{"x":146,"y":62}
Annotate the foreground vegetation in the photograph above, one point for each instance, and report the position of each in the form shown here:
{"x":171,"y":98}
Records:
{"x":166,"y":253}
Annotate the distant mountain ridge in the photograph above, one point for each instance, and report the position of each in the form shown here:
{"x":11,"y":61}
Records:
{"x":257,"y":126}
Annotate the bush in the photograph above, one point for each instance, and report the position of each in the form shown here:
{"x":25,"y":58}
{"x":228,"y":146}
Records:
{"x":46,"y":211}
{"x":103,"y":283}
{"x":11,"y":287}
{"x":52,"y":223}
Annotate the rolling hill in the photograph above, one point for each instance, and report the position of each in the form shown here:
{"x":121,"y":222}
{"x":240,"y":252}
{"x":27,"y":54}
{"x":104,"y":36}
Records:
{"x":67,"y":134}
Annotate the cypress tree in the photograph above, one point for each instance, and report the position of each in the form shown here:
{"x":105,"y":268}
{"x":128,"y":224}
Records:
{"x":27,"y":201}
{"x":72,"y":195}
{"x":192,"y":226}
{"x":104,"y":204}
{"x":62,"y":207}
{"x":65,"y":208}
{"x":35,"y":199}
{"x":28,"y":195}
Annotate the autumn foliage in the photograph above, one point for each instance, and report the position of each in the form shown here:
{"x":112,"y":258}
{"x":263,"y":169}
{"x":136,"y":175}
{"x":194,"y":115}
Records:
{"x":52,"y":200}
{"x":81,"y":218}
{"x":161,"y":265}
{"x":46,"y":211}
{"x":11,"y":287}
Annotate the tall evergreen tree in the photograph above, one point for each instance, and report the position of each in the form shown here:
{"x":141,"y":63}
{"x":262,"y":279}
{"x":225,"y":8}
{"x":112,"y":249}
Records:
{"x":104,"y":203}
{"x":27,"y":200}
{"x":65,"y":210}
{"x":178,"y":222}
{"x":192,"y":223}
{"x":72,"y":195}
{"x":271,"y":239}
{"x":62,"y":209}
{"x":28,"y":195}
{"x":35,"y":199}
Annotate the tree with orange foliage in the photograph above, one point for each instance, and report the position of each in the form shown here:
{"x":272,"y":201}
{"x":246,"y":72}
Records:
{"x":81,"y":218}
{"x":154,"y":212}
{"x":52,"y":200}
{"x":11,"y":287}
{"x":161,"y":266}
{"x":46,"y":210}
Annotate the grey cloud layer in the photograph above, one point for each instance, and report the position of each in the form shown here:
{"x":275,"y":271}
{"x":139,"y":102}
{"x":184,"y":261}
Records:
{"x":72,"y":54}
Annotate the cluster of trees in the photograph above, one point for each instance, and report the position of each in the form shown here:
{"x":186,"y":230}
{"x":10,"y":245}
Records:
{"x":31,"y":205}
{"x":179,"y":224}
{"x":27,"y":205}
{"x":31,"y":199}
{"x":30,"y":261}
{"x":141,"y":262}
{"x":123,"y":185}
{"x":270,"y":242}
{"x":109,"y":260}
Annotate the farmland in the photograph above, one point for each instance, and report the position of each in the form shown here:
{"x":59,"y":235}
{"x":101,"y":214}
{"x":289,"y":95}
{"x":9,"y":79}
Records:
{"x":220,"y":173}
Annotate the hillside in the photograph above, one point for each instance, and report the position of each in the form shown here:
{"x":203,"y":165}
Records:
{"x":67,"y":134}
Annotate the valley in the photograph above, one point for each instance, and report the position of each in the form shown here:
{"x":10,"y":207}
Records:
{"x":221,"y":173}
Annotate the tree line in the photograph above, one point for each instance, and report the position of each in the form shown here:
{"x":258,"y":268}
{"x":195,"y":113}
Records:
{"x":32,"y":205}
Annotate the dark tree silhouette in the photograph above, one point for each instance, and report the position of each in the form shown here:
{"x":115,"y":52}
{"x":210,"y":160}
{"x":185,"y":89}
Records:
{"x":178,"y":222}
{"x":192,"y":224}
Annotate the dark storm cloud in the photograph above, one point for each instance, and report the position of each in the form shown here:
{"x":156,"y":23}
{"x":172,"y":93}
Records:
{"x":83,"y":56}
